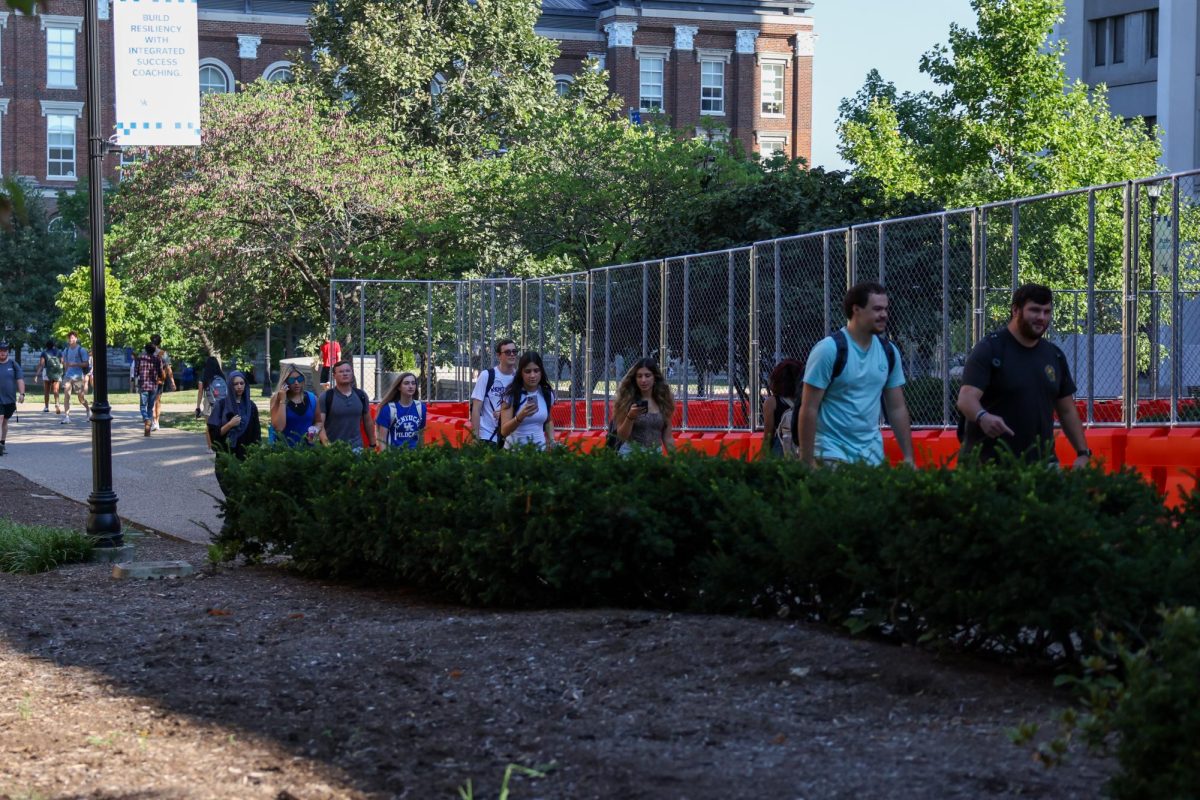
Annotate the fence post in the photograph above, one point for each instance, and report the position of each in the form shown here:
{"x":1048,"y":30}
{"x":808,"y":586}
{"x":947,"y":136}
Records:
{"x":851,"y":257}
{"x":429,"y":342}
{"x":332,"y":310}
{"x":730,"y":299}
{"x":524,"y":301}
{"x":664,"y":352}
{"x":945,"y":320}
{"x":687,"y":264}
{"x":1016,"y":246}
{"x":608,"y":358}
{"x":1128,"y":312}
{"x":777,"y":306}
{"x":362,"y":334}
{"x":1177,"y":386}
{"x":645,"y":309}
{"x":881,"y":236}
{"x":978,"y":274}
{"x":1091,"y":309}
{"x":825,"y":293}
{"x":587,"y":351}
{"x":752,"y":367}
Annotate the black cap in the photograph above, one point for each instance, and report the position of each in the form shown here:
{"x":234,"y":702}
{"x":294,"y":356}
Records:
{"x":4,"y":344}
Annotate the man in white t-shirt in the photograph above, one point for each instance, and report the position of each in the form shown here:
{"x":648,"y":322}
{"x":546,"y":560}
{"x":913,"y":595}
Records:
{"x":489,"y":389}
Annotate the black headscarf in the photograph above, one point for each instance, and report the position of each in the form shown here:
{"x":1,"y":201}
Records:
{"x":231,"y":407}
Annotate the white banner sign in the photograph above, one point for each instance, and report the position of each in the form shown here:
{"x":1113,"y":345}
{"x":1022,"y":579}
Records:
{"x":156,"y":54}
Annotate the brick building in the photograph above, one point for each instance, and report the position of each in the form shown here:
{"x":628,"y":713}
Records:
{"x":745,"y":65}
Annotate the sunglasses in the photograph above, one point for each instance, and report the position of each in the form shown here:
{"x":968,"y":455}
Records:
{"x":508,"y":351}
{"x":293,"y":381}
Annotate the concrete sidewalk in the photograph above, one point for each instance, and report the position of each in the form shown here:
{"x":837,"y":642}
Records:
{"x":163,"y":482}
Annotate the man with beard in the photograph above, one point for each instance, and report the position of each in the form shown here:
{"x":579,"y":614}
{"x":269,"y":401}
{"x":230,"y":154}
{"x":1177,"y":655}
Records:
{"x":845,"y":377}
{"x":1014,"y":382}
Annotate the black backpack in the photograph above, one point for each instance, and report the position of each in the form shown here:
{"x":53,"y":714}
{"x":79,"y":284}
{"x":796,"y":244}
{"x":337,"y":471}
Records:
{"x":841,"y":354}
{"x":327,"y":401}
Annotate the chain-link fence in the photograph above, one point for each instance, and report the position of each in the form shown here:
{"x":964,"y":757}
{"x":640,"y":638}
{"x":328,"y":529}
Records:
{"x":1124,"y":260}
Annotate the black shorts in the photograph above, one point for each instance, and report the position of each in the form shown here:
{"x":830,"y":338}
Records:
{"x":8,"y":409}
{"x":324,"y":375}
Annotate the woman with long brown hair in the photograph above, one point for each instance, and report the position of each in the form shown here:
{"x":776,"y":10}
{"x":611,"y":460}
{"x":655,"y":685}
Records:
{"x":642,"y":409}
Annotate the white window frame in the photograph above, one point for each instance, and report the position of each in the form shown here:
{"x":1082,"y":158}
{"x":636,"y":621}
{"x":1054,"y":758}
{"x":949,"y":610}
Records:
{"x":781,"y":89}
{"x":567,"y":79}
{"x":772,"y":138}
{"x":652,"y":61}
{"x":712,"y":94}
{"x":3,"y":25}
{"x":53,"y":118}
{"x":61,"y":23}
{"x":220,"y":66}
{"x":3,"y":113}
{"x":278,"y":66}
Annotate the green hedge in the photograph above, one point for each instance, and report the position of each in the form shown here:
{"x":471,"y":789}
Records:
{"x":1017,"y":560}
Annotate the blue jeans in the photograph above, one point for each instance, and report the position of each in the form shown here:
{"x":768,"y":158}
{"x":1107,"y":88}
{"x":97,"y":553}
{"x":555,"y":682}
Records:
{"x":146,"y":403}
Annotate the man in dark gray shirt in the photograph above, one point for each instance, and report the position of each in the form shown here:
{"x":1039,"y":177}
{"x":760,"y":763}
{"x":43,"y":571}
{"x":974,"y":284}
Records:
{"x":12,"y":390}
{"x":346,"y":407}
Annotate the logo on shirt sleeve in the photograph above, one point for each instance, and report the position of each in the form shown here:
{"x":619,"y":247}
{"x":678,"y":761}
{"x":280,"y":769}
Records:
{"x":1051,"y":375}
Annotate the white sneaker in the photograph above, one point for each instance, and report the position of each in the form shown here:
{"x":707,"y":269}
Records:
{"x":154,"y":426}
{"x":66,"y":420}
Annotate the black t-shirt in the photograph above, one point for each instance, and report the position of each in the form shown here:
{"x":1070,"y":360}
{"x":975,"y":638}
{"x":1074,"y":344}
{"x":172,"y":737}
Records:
{"x":1020,"y":384}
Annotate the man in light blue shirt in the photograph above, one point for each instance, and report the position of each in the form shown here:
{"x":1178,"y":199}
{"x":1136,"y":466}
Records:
{"x":839,"y":411}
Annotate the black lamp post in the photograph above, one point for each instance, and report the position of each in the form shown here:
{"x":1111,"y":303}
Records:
{"x":103,"y":523}
{"x":1154,"y":190}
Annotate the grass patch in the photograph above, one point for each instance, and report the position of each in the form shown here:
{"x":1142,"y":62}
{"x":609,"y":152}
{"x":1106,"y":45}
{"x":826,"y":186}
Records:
{"x":36,"y":548}
{"x":181,"y":421}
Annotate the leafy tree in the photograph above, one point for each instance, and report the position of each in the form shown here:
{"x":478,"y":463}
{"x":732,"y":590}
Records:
{"x":286,"y":193}
{"x":1004,"y":121}
{"x":591,"y":191}
{"x":461,"y":76}
{"x":30,"y":259}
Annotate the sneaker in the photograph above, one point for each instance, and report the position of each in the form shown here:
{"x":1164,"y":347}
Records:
{"x":1,"y":448}
{"x":146,"y":428}
{"x":66,"y":420}
{"x":46,"y":410}
{"x":154,"y":425}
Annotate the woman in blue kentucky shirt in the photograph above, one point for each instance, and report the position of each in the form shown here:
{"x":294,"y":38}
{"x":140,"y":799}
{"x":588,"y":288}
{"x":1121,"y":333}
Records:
{"x":401,"y":417}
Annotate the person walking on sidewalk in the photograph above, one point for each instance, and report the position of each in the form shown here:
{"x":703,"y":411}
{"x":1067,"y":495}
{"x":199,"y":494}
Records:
{"x":147,"y":371}
{"x":295,"y":414}
{"x":166,"y":377}
{"x":75,"y":361}
{"x":12,"y":390}
{"x":488,"y":394}
{"x":347,"y":411}
{"x":50,"y":367}
{"x":845,"y":377}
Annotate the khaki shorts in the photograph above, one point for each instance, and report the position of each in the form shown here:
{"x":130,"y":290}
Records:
{"x":73,"y":385}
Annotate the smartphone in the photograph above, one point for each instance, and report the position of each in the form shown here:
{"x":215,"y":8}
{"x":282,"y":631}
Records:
{"x":643,"y":404}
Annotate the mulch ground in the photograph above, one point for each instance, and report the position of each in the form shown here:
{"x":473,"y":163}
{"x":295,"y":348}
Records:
{"x":251,"y":682}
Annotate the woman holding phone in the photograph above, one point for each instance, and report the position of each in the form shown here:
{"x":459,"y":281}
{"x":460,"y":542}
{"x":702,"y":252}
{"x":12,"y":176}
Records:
{"x":525,"y":415}
{"x":642,"y":410}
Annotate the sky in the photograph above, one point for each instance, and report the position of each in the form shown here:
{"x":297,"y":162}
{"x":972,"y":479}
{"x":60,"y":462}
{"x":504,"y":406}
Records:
{"x":856,"y":35}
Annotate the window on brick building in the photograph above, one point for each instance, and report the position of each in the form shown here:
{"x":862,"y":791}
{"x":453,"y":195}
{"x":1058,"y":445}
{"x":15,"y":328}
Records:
{"x":562,"y":85}
{"x":712,"y":87}
{"x":279,"y":74}
{"x":60,"y":57}
{"x":651,"y":92}
{"x":213,"y":80}
{"x":772,"y":89}
{"x":60,"y":146}
{"x":770,"y":146}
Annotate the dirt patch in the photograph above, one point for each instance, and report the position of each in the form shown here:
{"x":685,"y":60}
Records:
{"x":255,"y":683}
